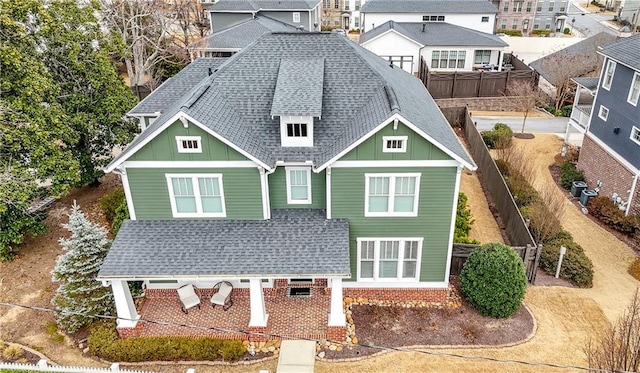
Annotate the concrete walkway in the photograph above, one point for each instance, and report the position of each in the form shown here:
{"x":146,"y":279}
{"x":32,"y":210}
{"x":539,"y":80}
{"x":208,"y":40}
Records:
{"x":297,"y":357}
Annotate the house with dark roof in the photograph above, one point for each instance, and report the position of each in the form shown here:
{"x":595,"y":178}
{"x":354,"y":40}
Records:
{"x":610,"y":153}
{"x":477,"y":15}
{"x":301,"y":170}
{"x":444,"y":46}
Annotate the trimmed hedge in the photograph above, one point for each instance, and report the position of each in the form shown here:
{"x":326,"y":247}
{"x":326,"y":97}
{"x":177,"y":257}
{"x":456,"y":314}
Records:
{"x":607,"y":212}
{"x":104,"y":342}
{"x":576,"y":268}
{"x":110,"y":203}
{"x":568,"y":174}
{"x":509,"y":32}
{"x":523,"y":193}
{"x":493,"y":280}
{"x":499,"y":137}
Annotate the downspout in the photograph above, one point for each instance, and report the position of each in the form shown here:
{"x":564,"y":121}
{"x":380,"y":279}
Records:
{"x":265,"y":192}
{"x":632,"y":193}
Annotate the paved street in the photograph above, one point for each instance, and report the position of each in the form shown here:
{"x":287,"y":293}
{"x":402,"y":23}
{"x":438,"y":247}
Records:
{"x":586,"y":23}
{"x":555,"y":125}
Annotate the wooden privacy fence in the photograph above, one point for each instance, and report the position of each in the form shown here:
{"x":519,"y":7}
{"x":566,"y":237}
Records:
{"x":465,"y":84}
{"x":529,"y":255}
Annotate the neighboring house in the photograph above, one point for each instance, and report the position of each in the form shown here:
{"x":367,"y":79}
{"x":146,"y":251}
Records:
{"x":229,"y":41}
{"x":610,"y":154}
{"x":304,"y":157}
{"x":304,"y":14}
{"x":477,"y":15}
{"x":332,"y":14}
{"x":445,"y":47}
{"x":550,"y":15}
{"x":628,"y":11}
{"x":351,"y":15}
{"x":515,"y":15}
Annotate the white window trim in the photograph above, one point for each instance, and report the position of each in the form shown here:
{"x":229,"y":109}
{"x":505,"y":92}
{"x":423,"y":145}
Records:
{"x":603,"y":113}
{"x":196,"y":191}
{"x":376,"y":260}
{"x":392,"y":184}
{"x":610,"y":65}
{"x":180,"y":139}
{"x":287,"y":141}
{"x":290,"y":200}
{"x":636,"y":78}
{"x":296,"y":17}
{"x":634,"y":130}
{"x":403,"y":149}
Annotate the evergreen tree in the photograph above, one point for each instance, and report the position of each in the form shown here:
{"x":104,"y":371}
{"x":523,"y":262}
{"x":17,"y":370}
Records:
{"x":77,"y":269}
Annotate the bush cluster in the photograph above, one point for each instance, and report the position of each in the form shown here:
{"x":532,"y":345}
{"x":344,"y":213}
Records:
{"x":464,"y":221}
{"x":576,"y":268}
{"x":493,"y":280}
{"x":510,"y":32}
{"x":499,"y":137}
{"x":568,"y":174}
{"x":541,"y":32}
{"x":104,"y":342}
{"x":566,"y":110}
{"x":121,"y":214}
{"x":603,"y":209}
{"x":523,"y":192}
{"x":110,"y":203}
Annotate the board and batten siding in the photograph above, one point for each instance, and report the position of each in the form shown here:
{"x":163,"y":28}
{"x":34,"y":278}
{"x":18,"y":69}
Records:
{"x":164,"y":147}
{"x":433,"y":222}
{"x":418,"y":148}
{"x":150,"y":193}
{"x":278,"y":190}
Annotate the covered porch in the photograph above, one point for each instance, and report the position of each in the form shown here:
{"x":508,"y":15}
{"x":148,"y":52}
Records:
{"x":286,"y":275}
{"x":582,"y":102}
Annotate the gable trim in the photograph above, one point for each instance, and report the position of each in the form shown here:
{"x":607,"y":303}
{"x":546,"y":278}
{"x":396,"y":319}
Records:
{"x":407,"y":123}
{"x":395,"y":32}
{"x":178,"y":116}
{"x":390,"y":163}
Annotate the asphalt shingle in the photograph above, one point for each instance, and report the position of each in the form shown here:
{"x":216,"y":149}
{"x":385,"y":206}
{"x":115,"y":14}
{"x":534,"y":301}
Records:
{"x":295,"y":242}
{"x":590,"y":83}
{"x":430,"y":6}
{"x":299,"y":88}
{"x":626,"y":50}
{"x":256,"y":5}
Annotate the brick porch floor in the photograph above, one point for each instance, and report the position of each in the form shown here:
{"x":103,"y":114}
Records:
{"x":288,"y":316}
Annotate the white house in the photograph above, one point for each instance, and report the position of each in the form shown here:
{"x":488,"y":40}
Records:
{"x":445,"y":47}
{"x":477,"y":15}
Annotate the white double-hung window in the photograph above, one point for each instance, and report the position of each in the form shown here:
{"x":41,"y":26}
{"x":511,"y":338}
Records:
{"x":298,"y":185}
{"x":634,"y":91}
{"x":608,"y":75}
{"x":196,"y":195}
{"x":389,"y":259}
{"x":391,"y":194}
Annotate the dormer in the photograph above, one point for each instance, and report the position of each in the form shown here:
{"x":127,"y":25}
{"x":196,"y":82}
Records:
{"x":297,"y":100}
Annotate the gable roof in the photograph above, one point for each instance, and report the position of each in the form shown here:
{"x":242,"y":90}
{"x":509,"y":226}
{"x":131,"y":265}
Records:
{"x":257,"y":5}
{"x":175,"y":87}
{"x":360,"y":91}
{"x":436,"y":34}
{"x":430,"y":6}
{"x":584,"y":51}
{"x":626,"y":50}
{"x":243,"y":34}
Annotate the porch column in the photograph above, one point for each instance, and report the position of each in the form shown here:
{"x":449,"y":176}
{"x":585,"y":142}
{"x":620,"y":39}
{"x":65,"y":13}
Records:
{"x":256,"y":297}
{"x":336,"y":315}
{"x":500,"y":59}
{"x":126,"y":310}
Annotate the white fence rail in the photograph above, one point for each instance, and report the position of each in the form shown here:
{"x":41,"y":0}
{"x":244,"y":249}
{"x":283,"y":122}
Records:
{"x":43,"y":366}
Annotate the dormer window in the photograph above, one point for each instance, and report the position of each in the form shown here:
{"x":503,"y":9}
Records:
{"x":189,"y":144}
{"x":296,"y":130}
{"x":394,"y":144}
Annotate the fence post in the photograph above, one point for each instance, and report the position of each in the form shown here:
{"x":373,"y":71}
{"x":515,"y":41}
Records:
{"x":563,"y":250}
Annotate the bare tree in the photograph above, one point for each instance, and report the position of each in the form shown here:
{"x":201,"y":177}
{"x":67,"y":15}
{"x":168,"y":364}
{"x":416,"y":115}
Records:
{"x":525,"y":96}
{"x":546,"y":212}
{"x":618,"y":349}
{"x":191,"y":20}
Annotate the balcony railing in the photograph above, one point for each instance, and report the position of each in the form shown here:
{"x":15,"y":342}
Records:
{"x":580,"y":116}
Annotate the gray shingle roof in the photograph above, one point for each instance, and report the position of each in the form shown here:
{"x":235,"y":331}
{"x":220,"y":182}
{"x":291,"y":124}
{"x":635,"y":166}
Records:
{"x":299,"y":87}
{"x":295,"y":242}
{"x":584,"y":52}
{"x":243,"y":34}
{"x":174,"y":88}
{"x":626,"y":50}
{"x":235,"y":102}
{"x":436,"y":34}
{"x":590,"y":83}
{"x":255,"y":5}
{"x":430,"y":6}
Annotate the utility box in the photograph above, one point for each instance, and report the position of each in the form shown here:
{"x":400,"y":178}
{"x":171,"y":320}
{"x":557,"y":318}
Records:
{"x":586,"y":195}
{"x":577,"y":187}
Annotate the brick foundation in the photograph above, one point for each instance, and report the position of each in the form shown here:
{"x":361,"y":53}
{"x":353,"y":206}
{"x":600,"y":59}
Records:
{"x":398,"y":294}
{"x":129,"y":332}
{"x":598,"y":164}
{"x":336,"y":333}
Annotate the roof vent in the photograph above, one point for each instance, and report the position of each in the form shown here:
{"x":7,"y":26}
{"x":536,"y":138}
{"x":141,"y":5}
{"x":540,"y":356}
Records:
{"x":423,"y":26}
{"x":391,"y":96}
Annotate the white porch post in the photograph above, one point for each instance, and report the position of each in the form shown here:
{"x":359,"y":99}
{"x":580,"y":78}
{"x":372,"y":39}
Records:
{"x":126,"y":310}
{"x":336,"y":315}
{"x":256,"y":297}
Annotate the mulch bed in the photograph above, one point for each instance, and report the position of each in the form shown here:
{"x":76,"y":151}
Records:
{"x":22,"y":357}
{"x":524,"y":136}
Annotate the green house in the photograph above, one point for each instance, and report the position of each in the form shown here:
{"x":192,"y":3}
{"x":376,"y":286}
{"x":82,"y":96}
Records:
{"x":302,"y":162}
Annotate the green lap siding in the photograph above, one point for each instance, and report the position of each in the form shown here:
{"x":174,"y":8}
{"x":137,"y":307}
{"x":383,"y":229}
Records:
{"x":164,"y":147}
{"x":417,"y":147}
{"x":278,"y":190}
{"x":150,"y":193}
{"x":433,"y":222}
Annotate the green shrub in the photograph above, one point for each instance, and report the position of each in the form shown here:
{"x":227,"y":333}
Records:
{"x":568,"y":174}
{"x":541,"y":32}
{"x":121,"y":214}
{"x":577,"y":268}
{"x":607,"y":212}
{"x":503,"y":167}
{"x":493,"y":280}
{"x":110,"y":203}
{"x":464,"y":221}
{"x":566,"y":111}
{"x":104,"y":342}
{"x":499,"y":137}
{"x":523,"y":193}
{"x":566,"y":31}
{"x":510,"y":32}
